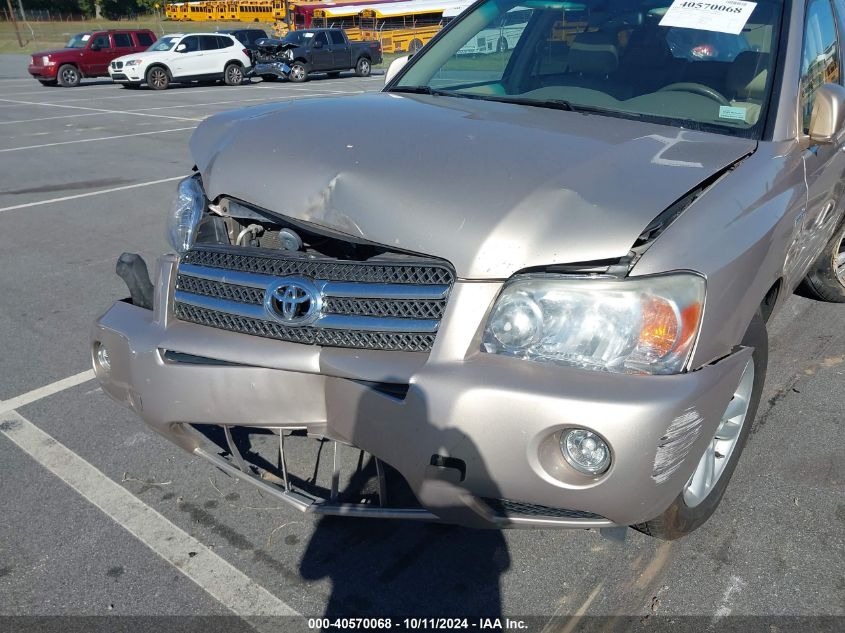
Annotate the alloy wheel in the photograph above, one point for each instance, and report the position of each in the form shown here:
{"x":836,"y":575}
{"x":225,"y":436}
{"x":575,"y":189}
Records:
{"x":235,"y":75}
{"x":158,"y":78}
{"x":839,"y":261}
{"x":69,"y":76}
{"x":297,"y":72}
{"x":716,"y":457}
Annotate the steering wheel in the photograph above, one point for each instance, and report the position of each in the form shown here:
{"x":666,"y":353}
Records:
{"x":698,"y":89}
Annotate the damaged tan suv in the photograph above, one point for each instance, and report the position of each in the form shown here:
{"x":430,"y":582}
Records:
{"x":542,"y":303}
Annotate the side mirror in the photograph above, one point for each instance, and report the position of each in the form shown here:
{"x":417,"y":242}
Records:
{"x":395,"y":66}
{"x":318,"y":44}
{"x":828,"y":117}
{"x":181,"y":48}
{"x":95,"y":47}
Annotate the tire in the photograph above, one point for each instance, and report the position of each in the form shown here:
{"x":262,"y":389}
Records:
{"x":681,"y":518}
{"x":363,"y":68}
{"x":826,"y":279}
{"x":47,"y":82}
{"x":158,"y":78}
{"x":334,"y":74}
{"x":233,"y":74}
{"x":68,"y":76}
{"x":298,"y":72}
{"x":414,"y":45}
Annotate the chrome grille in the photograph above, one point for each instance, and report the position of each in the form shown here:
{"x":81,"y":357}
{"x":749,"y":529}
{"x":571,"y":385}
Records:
{"x":328,"y":270}
{"x":383,"y":306}
{"x":117,"y":65}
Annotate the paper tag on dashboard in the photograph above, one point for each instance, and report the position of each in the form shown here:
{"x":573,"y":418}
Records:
{"x":723,"y":16}
{"x":732,"y":112}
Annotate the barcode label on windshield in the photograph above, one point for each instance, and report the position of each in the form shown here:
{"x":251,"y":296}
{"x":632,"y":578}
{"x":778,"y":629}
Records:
{"x":727,"y":16}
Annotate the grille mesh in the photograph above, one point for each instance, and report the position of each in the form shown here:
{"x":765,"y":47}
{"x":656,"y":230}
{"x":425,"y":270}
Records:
{"x":506,"y":507}
{"x":420,"y":274}
{"x":391,"y":341}
{"x":334,"y":270}
{"x":241,"y":294}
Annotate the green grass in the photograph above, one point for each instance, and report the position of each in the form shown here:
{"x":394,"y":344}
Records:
{"x":39,"y":36}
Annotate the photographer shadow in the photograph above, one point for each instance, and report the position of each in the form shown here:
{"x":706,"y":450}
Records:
{"x":402,"y":569}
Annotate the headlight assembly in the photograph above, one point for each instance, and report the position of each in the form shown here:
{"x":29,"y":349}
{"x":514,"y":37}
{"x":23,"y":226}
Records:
{"x":186,"y":214}
{"x":133,"y":62}
{"x":633,"y":325}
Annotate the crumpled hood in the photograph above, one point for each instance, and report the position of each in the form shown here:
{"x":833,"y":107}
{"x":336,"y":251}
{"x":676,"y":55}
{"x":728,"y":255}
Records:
{"x":493,"y":188}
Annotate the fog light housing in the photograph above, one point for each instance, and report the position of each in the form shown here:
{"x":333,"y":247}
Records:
{"x":585,"y":451}
{"x":101,"y":357}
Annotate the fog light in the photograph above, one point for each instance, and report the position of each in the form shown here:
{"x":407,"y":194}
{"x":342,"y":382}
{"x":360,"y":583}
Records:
{"x":102,"y":356}
{"x":586,"y":452}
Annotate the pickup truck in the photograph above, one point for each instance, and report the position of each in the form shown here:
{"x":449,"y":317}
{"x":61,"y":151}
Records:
{"x":545,"y":302}
{"x":307,"y":51}
{"x":87,"y":55}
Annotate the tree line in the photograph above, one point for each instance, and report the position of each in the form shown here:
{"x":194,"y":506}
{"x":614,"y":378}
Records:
{"x":110,"y":9}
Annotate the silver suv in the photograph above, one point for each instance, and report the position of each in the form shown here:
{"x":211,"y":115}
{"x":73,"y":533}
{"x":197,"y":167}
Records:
{"x":525,"y":285}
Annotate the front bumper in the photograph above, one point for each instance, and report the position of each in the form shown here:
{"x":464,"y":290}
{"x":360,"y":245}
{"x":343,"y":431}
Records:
{"x":276,"y":69}
{"x":498,"y":417}
{"x":126,"y":75}
{"x":43,"y":72}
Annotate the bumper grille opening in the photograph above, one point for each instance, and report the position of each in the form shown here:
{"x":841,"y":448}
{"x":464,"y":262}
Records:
{"x":509,"y":508}
{"x":311,"y":467}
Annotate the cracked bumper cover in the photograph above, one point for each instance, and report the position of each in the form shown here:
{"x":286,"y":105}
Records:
{"x":500,"y":416}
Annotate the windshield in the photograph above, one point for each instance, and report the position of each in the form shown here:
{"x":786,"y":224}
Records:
{"x":80,"y":40}
{"x":689,"y":64}
{"x":165,"y":43}
{"x":298,"y":37}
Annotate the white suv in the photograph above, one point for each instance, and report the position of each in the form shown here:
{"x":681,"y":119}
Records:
{"x":182,"y":57}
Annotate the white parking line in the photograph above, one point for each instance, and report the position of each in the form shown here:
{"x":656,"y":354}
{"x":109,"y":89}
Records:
{"x":48,"y":390}
{"x":60,"y":105}
{"x":88,"y":194}
{"x":51,"y":118}
{"x":217,"y":577}
{"x":93,"y":140}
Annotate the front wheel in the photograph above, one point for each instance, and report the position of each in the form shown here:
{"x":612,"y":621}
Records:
{"x":825,"y":280}
{"x":68,"y":76}
{"x":363,"y":67}
{"x":704,"y":489}
{"x":233,"y":75}
{"x":298,"y":72}
{"x":157,"y":78}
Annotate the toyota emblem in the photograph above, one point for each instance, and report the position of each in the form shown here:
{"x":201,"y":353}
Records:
{"x":293,"y":301}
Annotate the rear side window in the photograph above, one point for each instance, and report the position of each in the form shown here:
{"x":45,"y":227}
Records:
{"x":122,"y":40}
{"x":337,"y":37}
{"x":209,"y":42}
{"x":819,"y":56}
{"x":144,"y":39}
{"x":224,"y":42}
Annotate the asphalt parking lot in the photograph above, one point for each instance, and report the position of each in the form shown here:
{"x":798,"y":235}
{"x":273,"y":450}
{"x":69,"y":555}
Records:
{"x":86,"y":174}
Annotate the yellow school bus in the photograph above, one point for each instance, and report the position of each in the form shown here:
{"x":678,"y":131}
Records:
{"x":255,"y":10}
{"x":405,"y":27}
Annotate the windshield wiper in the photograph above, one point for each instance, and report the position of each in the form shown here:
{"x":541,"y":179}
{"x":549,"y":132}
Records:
{"x":424,"y":90}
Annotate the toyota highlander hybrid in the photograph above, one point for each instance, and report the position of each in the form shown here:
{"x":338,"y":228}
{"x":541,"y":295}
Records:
{"x":528,"y":286}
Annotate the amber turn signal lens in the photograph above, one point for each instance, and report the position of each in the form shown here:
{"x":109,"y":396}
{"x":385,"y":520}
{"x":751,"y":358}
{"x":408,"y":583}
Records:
{"x":659,"y":332}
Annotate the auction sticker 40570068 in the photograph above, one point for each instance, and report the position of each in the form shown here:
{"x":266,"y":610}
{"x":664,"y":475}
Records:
{"x":724,"y":16}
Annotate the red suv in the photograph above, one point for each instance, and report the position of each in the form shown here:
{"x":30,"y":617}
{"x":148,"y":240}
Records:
{"x":87,"y":55}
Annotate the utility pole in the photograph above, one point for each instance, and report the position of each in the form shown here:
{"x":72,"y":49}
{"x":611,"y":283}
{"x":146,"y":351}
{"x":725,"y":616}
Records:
{"x":20,"y":6}
{"x":14,"y":22}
